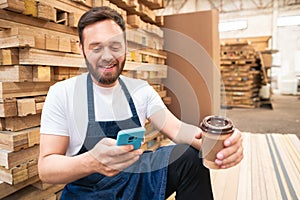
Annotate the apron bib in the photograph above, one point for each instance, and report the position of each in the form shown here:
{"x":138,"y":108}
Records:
{"x":144,"y":180}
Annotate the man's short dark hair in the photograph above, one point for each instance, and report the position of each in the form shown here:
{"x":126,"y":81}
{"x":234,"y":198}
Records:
{"x":97,"y":14}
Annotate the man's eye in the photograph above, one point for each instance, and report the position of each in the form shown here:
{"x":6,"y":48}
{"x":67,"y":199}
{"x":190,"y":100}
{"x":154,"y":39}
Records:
{"x":116,"y":48}
{"x":97,"y":49}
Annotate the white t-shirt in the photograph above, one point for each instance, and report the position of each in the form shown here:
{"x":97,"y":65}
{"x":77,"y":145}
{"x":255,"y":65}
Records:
{"x":65,"y":109}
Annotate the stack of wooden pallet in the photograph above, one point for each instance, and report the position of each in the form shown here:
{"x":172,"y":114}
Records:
{"x":241,"y":75}
{"x":38,"y":47}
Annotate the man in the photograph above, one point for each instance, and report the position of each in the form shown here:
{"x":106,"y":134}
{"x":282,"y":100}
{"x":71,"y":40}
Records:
{"x":82,"y":116}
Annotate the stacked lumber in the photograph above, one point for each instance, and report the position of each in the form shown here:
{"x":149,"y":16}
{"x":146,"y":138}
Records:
{"x":270,"y":170}
{"x":241,"y":75}
{"x":39,"y":47}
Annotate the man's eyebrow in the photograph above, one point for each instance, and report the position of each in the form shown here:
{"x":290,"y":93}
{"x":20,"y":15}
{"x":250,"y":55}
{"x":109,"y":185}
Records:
{"x":95,"y":43}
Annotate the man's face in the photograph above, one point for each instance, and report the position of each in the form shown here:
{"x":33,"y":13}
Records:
{"x":104,"y":51}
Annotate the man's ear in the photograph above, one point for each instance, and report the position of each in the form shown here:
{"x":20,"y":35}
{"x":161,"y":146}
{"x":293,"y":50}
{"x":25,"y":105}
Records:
{"x":81,"y":48}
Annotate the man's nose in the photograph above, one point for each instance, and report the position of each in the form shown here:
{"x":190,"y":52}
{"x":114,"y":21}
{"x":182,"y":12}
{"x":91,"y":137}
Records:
{"x":107,"y":55}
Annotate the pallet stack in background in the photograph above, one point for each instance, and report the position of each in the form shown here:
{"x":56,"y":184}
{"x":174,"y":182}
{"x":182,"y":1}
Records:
{"x":38,"y":47}
{"x":241,"y":75}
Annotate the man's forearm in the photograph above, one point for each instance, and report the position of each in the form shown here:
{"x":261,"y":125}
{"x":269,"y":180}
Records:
{"x":60,"y":169}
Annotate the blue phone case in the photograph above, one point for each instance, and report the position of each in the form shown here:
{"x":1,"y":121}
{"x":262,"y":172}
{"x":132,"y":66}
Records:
{"x":133,"y":136}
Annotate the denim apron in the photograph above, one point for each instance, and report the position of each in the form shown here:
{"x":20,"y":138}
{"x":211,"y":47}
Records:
{"x":144,"y":180}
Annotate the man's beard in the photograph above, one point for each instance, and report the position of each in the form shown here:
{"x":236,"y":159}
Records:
{"x":108,"y":78}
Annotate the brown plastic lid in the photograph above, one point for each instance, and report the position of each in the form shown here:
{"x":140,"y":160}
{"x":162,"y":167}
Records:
{"x":217,"y":125}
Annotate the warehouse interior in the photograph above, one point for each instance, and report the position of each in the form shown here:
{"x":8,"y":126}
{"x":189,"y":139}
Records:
{"x":235,"y":58}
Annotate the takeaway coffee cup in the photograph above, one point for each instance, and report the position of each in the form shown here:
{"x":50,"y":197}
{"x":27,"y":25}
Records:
{"x":216,"y":129}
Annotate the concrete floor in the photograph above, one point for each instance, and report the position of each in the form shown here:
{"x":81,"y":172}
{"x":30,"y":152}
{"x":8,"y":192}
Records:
{"x":284,"y":118}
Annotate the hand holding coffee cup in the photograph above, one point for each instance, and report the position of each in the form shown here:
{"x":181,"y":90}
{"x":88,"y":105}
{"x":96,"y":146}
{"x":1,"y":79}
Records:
{"x":216,"y":129}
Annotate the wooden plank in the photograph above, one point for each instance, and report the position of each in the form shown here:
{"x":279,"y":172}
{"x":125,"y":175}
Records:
{"x":17,"y":41}
{"x":292,"y":174}
{"x":14,"y":141}
{"x":31,"y":192}
{"x":10,"y":159}
{"x":19,"y":35}
{"x":39,"y":107}
{"x":271,"y":184}
{"x":9,"y":56}
{"x":64,"y":44}
{"x":40,"y":41}
{"x":243,"y":175}
{"x":41,"y":74}
{"x":20,"y":123}
{"x":26,"y":106}
{"x":13,"y":5}
{"x":7,"y":189}
{"x":23,"y":89}
{"x":16,"y":19}
{"x":88,"y":3}
{"x":74,"y":46}
{"x":74,"y":18}
{"x":8,"y":108}
{"x":14,"y":175}
{"x":15,"y":73}
{"x":17,"y":140}
{"x":67,"y":6}
{"x":45,"y":11}
{"x":30,"y":8}
{"x":277,"y":168}
{"x":52,"y":42}
{"x":41,"y":185}
{"x":39,"y":103}
{"x":32,"y":168}
{"x":33,"y":136}
{"x":29,"y":56}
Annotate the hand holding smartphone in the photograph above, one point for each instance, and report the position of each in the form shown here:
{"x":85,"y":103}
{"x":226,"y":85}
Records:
{"x":133,"y":136}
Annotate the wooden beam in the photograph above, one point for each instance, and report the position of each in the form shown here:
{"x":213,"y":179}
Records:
{"x":64,"y":44}
{"x":17,"y":140}
{"x":16,"y":73}
{"x":35,"y":22}
{"x":17,"y":41}
{"x":30,"y":8}
{"x":41,"y":74}
{"x":13,"y":5}
{"x":8,"y":107}
{"x":30,"y":56}
{"x":9,"y":56}
{"x":23,"y":36}
{"x":15,"y":175}
{"x":20,"y":123}
{"x":74,"y":18}
{"x":23,"y":89}
{"x":45,"y":11}
{"x":7,"y":189}
{"x":26,"y":106}
{"x":31,"y":192}
{"x":10,"y":159}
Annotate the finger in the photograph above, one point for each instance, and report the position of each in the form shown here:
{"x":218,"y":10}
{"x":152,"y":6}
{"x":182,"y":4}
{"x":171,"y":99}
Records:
{"x":235,"y":137}
{"x":124,"y":164}
{"x":232,"y":159}
{"x":108,"y":141}
{"x":237,"y":161}
{"x":227,"y":151}
{"x":115,"y":151}
{"x":128,"y":155}
{"x":198,"y":135}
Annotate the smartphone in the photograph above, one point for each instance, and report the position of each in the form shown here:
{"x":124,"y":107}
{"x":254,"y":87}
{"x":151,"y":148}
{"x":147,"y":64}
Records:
{"x":133,"y":136}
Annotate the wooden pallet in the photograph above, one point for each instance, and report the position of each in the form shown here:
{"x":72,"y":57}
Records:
{"x":270,"y":170}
